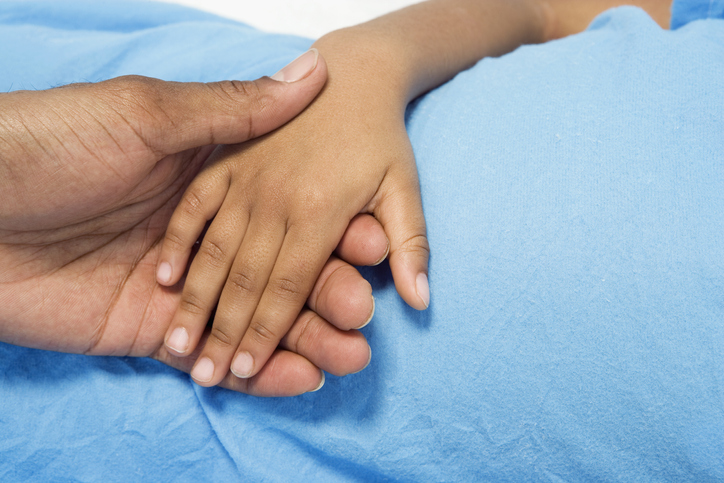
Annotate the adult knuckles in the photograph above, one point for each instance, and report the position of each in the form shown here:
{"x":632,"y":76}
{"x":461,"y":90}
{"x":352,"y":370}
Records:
{"x":132,"y":85}
{"x":146,"y":96}
{"x":135,"y":91}
{"x":303,"y":333}
{"x":242,"y":100}
{"x":235,"y":90}
{"x":141,"y":102}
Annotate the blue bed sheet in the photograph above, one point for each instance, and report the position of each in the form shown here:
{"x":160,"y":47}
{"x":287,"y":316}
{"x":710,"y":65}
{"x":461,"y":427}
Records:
{"x":574,"y":194}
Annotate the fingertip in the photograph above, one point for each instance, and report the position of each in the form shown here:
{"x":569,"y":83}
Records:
{"x":203,"y":371}
{"x":342,"y":296}
{"x":285,"y":374}
{"x":321,"y":383}
{"x":164,"y":274}
{"x":299,"y":68}
{"x":364,"y":242}
{"x":243,"y":365}
{"x":411,"y":282}
{"x":177,"y":341}
{"x":422,"y":288}
{"x":404,"y":223}
{"x":369,"y":319}
{"x":387,"y":252}
{"x":369,"y":360}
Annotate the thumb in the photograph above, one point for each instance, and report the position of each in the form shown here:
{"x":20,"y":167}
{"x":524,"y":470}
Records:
{"x":182,"y":116}
{"x":400,"y":213}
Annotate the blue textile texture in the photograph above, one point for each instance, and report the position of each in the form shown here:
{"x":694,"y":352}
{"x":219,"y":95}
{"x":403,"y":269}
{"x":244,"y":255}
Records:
{"x":685,"y":11}
{"x":574,"y":194}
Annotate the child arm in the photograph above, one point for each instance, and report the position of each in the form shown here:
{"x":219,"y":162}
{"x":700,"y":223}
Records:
{"x":282,"y":203}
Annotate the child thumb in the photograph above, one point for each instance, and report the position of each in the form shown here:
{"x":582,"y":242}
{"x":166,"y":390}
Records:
{"x":400,"y":213}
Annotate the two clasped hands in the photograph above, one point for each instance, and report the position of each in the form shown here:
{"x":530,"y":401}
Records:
{"x":135,"y":210}
{"x":107,"y":188}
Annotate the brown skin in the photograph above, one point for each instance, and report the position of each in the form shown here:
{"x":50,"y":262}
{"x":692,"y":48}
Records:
{"x":92,"y":174}
{"x":573,"y":16}
{"x":348,"y":153}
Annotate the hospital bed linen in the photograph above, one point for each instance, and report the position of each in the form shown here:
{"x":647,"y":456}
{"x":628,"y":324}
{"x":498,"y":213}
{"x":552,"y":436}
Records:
{"x":573,"y":194}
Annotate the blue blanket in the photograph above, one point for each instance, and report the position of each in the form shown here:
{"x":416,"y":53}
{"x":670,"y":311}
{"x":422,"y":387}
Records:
{"x":574,"y":194}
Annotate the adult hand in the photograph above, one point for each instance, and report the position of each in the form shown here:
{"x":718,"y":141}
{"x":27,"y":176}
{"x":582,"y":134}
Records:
{"x":90,"y":175}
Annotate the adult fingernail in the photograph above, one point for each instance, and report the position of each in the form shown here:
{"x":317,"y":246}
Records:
{"x":243,"y":365}
{"x":203,"y":371}
{"x":299,"y":68}
{"x":423,"y":289}
{"x":178,"y":341}
{"x":163,"y":275}
{"x":321,"y":384}
{"x":387,"y":252}
{"x":369,"y":359}
{"x":369,"y":319}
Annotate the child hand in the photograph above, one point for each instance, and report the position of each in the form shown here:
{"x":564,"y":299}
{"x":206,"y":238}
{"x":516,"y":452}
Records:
{"x":279,"y":206}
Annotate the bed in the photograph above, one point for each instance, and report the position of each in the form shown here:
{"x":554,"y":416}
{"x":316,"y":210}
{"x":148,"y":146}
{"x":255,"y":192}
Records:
{"x":573,"y":193}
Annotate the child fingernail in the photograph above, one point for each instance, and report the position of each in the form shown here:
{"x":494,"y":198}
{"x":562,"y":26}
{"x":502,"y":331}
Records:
{"x":423,"y":289}
{"x":299,"y":68}
{"x":178,"y":341}
{"x":243,"y":365}
{"x":163,"y":275}
{"x":203,"y":371}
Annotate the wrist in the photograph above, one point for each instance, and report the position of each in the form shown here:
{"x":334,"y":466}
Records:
{"x":548,"y":20}
{"x":368,"y":64}
{"x":424,"y":45}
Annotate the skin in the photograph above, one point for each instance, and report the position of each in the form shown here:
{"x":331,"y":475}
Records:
{"x":269,"y":237}
{"x":90,"y":175}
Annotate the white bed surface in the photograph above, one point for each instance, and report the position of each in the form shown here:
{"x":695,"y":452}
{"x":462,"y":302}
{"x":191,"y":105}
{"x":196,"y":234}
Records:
{"x":309,"y":18}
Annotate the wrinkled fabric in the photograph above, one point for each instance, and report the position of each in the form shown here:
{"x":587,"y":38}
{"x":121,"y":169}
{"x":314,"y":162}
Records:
{"x":574,"y":198}
{"x":685,"y":11}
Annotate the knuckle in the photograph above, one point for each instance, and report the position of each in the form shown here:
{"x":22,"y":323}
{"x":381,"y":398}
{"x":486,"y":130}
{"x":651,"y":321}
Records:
{"x":246,"y":100}
{"x":235,"y":88}
{"x":263,"y":334}
{"x":140,"y":104}
{"x":174,"y":241}
{"x":192,"y":304}
{"x":220,"y":337}
{"x":212,"y":253}
{"x":286,"y":288}
{"x":416,"y":244}
{"x":241,"y":282}
{"x":192,"y":203}
{"x":136,"y":90}
{"x":315,"y":199}
{"x":308,"y":330}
